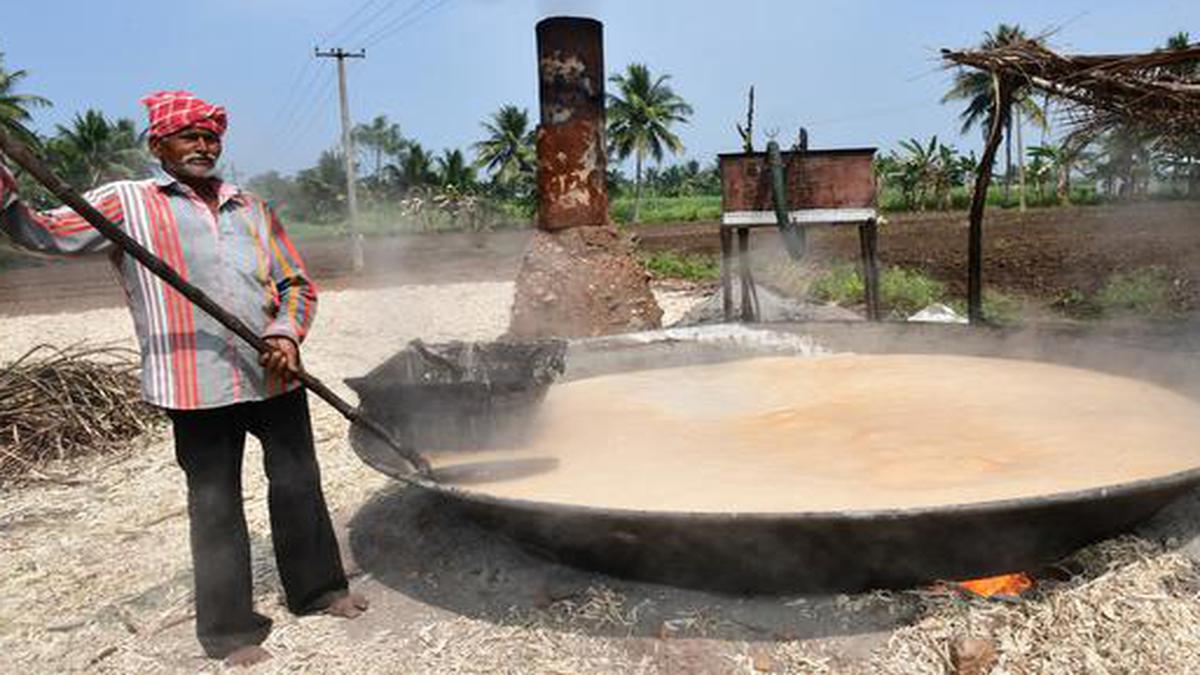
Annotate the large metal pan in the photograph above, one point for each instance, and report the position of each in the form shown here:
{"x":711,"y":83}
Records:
{"x":832,"y":551}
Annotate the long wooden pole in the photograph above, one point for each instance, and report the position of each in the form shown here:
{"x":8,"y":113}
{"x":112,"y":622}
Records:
{"x":356,"y":247}
{"x":31,"y":163}
{"x":1018,"y":123}
{"x":1003,"y":90}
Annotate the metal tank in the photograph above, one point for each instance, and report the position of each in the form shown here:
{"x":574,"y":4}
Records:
{"x":843,"y":551}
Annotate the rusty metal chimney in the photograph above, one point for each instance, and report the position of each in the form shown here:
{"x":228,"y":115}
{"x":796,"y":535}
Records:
{"x":570,"y":139}
{"x":580,"y":276}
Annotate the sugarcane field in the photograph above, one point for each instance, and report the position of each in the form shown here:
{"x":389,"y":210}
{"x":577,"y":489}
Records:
{"x":451,"y":336}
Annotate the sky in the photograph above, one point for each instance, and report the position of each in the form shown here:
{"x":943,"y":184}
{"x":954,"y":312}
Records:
{"x":855,"y":73}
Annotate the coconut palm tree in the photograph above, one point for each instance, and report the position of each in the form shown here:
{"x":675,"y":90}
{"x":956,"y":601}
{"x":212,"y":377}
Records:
{"x":975,"y":87}
{"x":1182,"y":40}
{"x":508,"y":152}
{"x":382,"y":139}
{"x":14,"y":107}
{"x":1060,"y":159}
{"x":321,"y":189}
{"x":92,"y":150}
{"x":640,"y":116}
{"x":416,"y":168}
{"x":1181,"y":156}
{"x":453,"y":170}
{"x":1123,"y":163}
{"x":681,"y":180}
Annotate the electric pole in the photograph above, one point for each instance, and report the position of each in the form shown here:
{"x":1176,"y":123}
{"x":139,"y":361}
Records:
{"x":356,"y":249}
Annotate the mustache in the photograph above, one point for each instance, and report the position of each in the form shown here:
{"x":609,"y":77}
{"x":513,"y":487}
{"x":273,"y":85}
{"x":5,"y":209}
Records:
{"x":199,"y":155}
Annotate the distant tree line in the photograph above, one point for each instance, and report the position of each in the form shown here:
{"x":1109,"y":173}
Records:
{"x":933,"y":175}
{"x":397,"y":174}
{"x":1119,"y":164}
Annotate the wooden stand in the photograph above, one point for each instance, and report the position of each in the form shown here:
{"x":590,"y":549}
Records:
{"x":743,"y":221}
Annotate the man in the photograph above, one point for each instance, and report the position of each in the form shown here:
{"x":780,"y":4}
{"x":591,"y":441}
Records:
{"x":213,"y":386}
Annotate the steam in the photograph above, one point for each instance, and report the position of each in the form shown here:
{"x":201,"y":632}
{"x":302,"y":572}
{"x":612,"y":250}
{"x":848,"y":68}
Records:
{"x":568,"y":8}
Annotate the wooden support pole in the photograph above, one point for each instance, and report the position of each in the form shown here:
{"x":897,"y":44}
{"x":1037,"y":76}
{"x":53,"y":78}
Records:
{"x":748,"y":314}
{"x":356,"y":245}
{"x":1003,"y":95}
{"x":727,"y":272}
{"x":868,"y":237}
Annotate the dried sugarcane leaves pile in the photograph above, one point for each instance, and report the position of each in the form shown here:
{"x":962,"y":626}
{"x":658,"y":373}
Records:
{"x":60,"y":404}
{"x":1155,"y":93}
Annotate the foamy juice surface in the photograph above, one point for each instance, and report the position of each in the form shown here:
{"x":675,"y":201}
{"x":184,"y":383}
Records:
{"x":845,"y":432}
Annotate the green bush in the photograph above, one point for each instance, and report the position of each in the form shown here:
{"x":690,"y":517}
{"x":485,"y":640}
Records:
{"x":1144,"y":292}
{"x":891,"y":200}
{"x":1077,"y":304}
{"x":385,"y":220}
{"x":668,"y":209}
{"x":842,"y":285}
{"x":902,"y":291}
{"x":999,"y":309}
{"x":906,"y":292}
{"x":671,"y":265}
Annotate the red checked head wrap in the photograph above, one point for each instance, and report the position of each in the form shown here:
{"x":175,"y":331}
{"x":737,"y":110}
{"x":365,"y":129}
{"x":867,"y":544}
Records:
{"x":174,"y":111}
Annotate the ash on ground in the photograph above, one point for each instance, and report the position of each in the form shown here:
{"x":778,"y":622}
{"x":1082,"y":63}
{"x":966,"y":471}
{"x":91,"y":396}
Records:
{"x":1177,"y":526}
{"x":772,"y":306}
{"x":582,"y":282}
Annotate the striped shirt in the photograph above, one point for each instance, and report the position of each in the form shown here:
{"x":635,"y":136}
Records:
{"x":241,"y":258}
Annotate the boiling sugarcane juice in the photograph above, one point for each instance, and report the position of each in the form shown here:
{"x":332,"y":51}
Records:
{"x":845,"y":432}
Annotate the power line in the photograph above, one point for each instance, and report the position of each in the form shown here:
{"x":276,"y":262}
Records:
{"x":408,"y":11}
{"x":377,"y":37}
{"x":329,"y":37}
{"x":394,"y":28}
{"x":301,"y":98}
{"x":372,"y":21}
{"x":313,"y":112}
{"x":286,"y":115}
{"x":303,"y":105}
{"x":292,"y":92}
{"x":301,"y":88}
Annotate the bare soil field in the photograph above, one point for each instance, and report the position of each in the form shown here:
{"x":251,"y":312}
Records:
{"x":97,"y":575}
{"x":56,"y":285}
{"x":1041,"y":254}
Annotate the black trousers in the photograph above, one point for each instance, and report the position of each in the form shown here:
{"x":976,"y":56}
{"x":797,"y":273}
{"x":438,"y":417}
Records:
{"x":209,"y":445}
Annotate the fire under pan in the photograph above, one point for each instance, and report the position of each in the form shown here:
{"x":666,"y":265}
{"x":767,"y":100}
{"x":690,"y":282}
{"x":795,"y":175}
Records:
{"x":846,"y":551}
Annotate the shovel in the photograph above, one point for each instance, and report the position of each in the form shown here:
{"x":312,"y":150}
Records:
{"x":31,"y":163}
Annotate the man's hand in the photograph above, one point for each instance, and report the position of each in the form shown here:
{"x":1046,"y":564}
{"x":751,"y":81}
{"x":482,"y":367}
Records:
{"x":283,"y":361}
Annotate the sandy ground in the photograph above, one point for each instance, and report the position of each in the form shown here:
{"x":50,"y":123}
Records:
{"x":90,"y":566}
{"x":96,"y":571}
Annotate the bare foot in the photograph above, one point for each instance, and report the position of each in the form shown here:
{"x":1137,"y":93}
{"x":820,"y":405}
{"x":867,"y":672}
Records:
{"x":249,"y":655}
{"x":349,"y":606}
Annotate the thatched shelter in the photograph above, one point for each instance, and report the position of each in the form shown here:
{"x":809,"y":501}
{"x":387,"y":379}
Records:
{"x":1156,"y":95}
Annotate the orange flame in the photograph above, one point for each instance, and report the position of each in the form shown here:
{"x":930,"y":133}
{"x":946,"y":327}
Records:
{"x":1005,"y":584}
